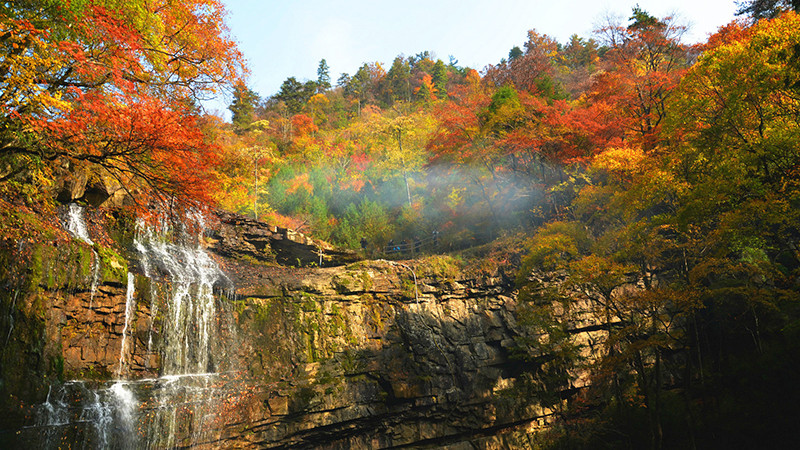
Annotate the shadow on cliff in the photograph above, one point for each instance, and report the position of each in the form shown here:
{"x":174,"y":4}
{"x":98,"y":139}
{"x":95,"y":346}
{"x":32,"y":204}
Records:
{"x":432,"y":380}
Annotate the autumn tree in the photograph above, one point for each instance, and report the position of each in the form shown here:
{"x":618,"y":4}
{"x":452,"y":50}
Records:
{"x":643,"y":65}
{"x":739,"y":147}
{"x":533,"y":71}
{"x":470,"y":139}
{"x":577,"y":62}
{"x":362,"y":88}
{"x":689,"y":252}
{"x":114,"y":86}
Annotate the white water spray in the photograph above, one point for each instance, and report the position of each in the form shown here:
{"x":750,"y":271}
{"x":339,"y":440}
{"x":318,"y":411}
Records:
{"x":176,"y":408}
{"x":123,"y":348}
{"x":76,"y":225}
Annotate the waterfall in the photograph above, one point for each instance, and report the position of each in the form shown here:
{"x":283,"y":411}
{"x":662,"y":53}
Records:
{"x":183,"y":395}
{"x":123,"y":348}
{"x":95,"y":276}
{"x":86,"y":415}
{"x":76,"y":225}
{"x":189,"y":304}
{"x":178,"y":407}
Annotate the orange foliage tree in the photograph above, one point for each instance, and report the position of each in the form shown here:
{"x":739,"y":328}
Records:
{"x":644,"y":64}
{"x":113,"y":85}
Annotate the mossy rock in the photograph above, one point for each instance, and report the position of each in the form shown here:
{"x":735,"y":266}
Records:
{"x":113,"y":267}
{"x":442,"y":267}
{"x":349,"y":282}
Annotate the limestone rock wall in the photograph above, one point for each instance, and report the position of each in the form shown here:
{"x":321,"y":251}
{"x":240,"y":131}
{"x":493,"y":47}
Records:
{"x":90,"y":327}
{"x":361,"y":357}
{"x":239,"y":237}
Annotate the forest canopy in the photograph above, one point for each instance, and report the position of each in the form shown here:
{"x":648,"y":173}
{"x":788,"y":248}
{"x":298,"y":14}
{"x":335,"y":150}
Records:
{"x":630,"y":157}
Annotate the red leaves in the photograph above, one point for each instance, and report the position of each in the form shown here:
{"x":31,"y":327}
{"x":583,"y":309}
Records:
{"x":643,"y":69}
{"x":732,"y":32}
{"x":111,"y":85}
{"x":528,"y":129}
{"x":459,"y":127}
{"x":135,"y":138}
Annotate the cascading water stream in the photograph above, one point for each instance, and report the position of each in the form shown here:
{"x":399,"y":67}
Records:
{"x":76,"y":225}
{"x":176,"y":408}
{"x":189,"y":313}
{"x":123,"y":348}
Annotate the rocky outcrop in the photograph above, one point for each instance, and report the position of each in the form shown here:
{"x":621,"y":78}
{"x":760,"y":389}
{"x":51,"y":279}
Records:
{"x":369,"y":354}
{"x":240,"y":237}
{"x":93,"y":187}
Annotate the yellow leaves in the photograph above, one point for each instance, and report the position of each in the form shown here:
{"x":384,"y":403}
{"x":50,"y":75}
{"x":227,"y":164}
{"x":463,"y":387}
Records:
{"x":619,"y":161}
{"x":259,"y":126}
{"x":24,"y":65}
{"x":604,"y":273}
{"x":554,"y":246}
{"x":232,"y":194}
{"x":318,"y":102}
{"x":455,"y":197}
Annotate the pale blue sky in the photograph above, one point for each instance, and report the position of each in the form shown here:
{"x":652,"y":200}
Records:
{"x":284,"y":38}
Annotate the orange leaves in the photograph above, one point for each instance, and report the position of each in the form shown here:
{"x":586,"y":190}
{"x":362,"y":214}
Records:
{"x":110,"y":84}
{"x":300,"y":181}
{"x":732,"y":32}
{"x":355,"y":179}
{"x":196,"y":44}
{"x":134,"y":138}
{"x":594,"y":127}
{"x":644,"y":65}
{"x":511,"y":123}
{"x":459,"y":128}
{"x":426,"y":91}
{"x":302,"y":125}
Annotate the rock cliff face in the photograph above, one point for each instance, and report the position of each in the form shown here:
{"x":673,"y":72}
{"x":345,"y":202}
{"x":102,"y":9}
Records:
{"x":362,"y":357}
{"x":369,"y":354}
{"x":238,"y":237}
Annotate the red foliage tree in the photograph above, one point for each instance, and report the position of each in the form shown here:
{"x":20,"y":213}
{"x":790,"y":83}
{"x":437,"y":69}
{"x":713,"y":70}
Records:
{"x":115,"y":88}
{"x":643,"y":66}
